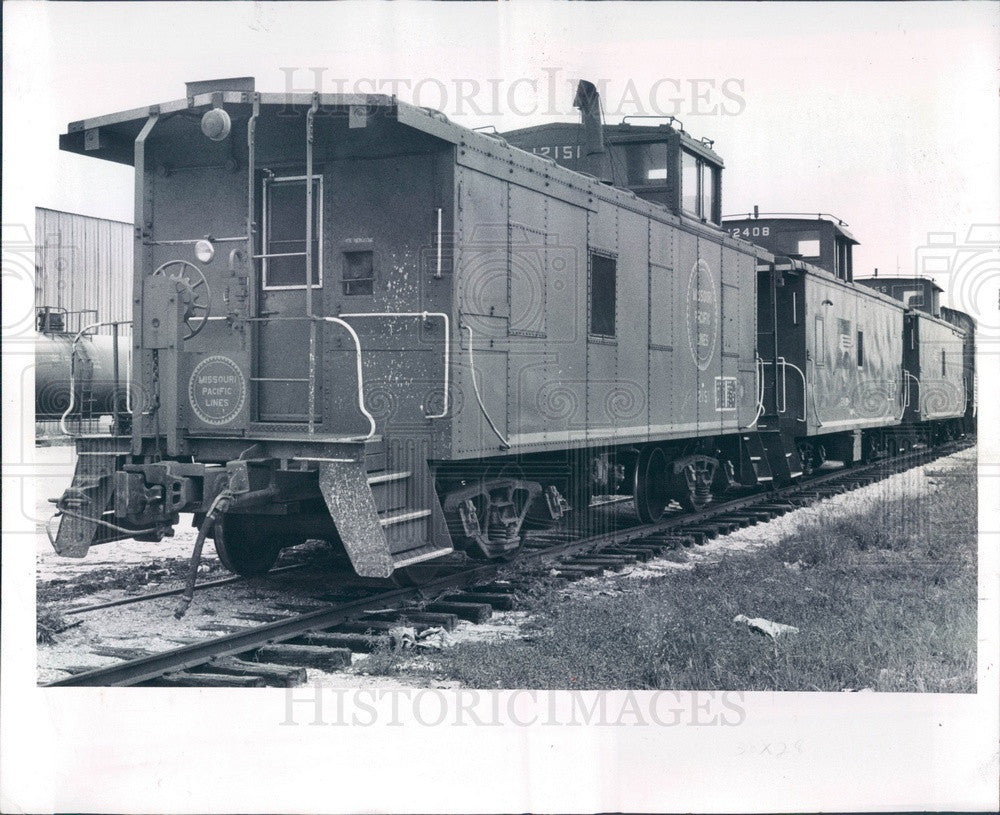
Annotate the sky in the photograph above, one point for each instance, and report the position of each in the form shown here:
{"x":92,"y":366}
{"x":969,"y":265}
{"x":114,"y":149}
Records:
{"x":883,"y":114}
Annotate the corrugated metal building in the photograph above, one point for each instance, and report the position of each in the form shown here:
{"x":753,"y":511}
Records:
{"x":83,"y":264}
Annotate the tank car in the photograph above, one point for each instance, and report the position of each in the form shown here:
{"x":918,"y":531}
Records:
{"x":79,"y":377}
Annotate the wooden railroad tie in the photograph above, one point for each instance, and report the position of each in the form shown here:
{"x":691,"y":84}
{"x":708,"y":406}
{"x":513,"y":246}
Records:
{"x":275,"y":676}
{"x":311,"y":656}
{"x":501,"y":602}
{"x":473,"y":612}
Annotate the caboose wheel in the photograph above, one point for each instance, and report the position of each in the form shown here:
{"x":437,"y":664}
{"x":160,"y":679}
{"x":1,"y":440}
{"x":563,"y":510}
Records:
{"x":246,"y":544}
{"x":650,"y":485}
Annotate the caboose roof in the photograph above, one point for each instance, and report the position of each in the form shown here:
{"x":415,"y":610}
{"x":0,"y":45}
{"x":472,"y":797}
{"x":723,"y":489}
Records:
{"x":112,"y":136}
{"x":901,"y":279}
{"x":117,"y":131}
{"x":793,"y":220}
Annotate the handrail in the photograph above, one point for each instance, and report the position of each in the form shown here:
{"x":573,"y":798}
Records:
{"x":756,"y":215}
{"x":424,"y":315}
{"x":784,"y":391}
{"x":72,"y":373}
{"x":784,"y":386}
{"x":758,"y":370}
{"x":907,"y":376}
{"x":438,"y":273}
{"x":361,"y":383}
{"x":798,"y":370}
{"x":310,"y":116}
{"x":479,"y":398}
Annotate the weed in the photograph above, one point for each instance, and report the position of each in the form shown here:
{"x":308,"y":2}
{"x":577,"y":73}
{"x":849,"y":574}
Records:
{"x":885,"y":598}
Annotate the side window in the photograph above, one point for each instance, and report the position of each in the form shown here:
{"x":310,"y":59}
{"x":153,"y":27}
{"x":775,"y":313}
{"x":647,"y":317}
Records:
{"x":603,"y":274}
{"x":861,"y":349}
{"x":700,"y":188}
{"x":359,"y":272}
{"x":645,"y":163}
{"x":942,"y":363}
{"x":689,"y":184}
{"x":709,"y":178}
{"x":819,"y":352}
{"x":808,"y":245}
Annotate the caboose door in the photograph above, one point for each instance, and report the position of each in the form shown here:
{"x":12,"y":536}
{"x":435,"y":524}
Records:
{"x":282,"y":361}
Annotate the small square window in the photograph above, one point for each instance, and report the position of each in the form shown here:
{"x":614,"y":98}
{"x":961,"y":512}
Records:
{"x":359,"y":272}
{"x":809,"y":248}
{"x":602,"y":295}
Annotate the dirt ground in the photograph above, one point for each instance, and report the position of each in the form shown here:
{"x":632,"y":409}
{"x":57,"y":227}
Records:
{"x":129,"y":567}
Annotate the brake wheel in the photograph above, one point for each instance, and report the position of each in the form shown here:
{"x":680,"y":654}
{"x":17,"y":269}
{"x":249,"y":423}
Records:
{"x":194,"y":292}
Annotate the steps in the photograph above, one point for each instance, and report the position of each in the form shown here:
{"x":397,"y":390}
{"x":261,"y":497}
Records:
{"x":387,"y":518}
{"x":782,"y":459}
{"x":773,"y":458}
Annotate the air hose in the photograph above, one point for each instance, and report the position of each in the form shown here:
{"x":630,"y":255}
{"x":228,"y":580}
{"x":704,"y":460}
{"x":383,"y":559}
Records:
{"x":218,"y":507}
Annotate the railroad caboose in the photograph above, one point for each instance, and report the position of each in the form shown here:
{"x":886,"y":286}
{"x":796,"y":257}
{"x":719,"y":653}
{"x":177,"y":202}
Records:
{"x":938,"y":358}
{"x":967,"y":326}
{"x":832,"y":349}
{"x":355,"y":320}
{"x":847,"y":369}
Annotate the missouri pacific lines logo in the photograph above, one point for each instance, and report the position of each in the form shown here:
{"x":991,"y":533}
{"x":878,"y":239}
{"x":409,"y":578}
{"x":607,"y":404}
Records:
{"x":217,"y":390}
{"x":702,"y":314}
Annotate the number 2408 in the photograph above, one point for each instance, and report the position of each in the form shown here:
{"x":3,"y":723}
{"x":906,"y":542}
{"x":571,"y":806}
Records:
{"x":751,"y":232}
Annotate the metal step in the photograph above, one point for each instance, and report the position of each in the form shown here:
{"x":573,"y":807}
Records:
{"x":385,"y":478}
{"x":404,"y":517}
{"x":390,"y":490}
{"x":418,"y":555}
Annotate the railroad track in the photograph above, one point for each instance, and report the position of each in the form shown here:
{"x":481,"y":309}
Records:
{"x":277,"y":653}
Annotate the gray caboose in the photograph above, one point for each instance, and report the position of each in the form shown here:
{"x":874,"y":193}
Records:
{"x":357,"y":321}
{"x":938,"y":357}
{"x":846,"y":362}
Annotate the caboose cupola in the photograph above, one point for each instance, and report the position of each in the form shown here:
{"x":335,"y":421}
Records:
{"x":659,"y":162}
{"x":821,"y":240}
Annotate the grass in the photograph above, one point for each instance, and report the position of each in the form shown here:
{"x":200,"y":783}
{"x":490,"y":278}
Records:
{"x":883,"y":592}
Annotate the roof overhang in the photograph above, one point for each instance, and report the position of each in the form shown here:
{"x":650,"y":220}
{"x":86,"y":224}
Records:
{"x":112,"y":136}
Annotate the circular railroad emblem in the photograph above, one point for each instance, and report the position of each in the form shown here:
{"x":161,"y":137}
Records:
{"x":217,"y":390}
{"x":702,"y":314}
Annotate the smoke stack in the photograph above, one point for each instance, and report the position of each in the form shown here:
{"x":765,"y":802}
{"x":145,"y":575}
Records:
{"x":588,"y":100}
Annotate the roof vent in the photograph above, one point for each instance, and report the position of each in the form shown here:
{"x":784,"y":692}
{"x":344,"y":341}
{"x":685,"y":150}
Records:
{"x":239,"y":84}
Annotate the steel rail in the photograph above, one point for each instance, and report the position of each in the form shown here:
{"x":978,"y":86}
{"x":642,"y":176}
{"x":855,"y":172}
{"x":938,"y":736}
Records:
{"x":190,"y":656}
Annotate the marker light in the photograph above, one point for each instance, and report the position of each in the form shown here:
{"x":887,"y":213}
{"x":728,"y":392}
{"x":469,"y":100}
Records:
{"x":216,"y":124}
{"x":204,"y":251}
